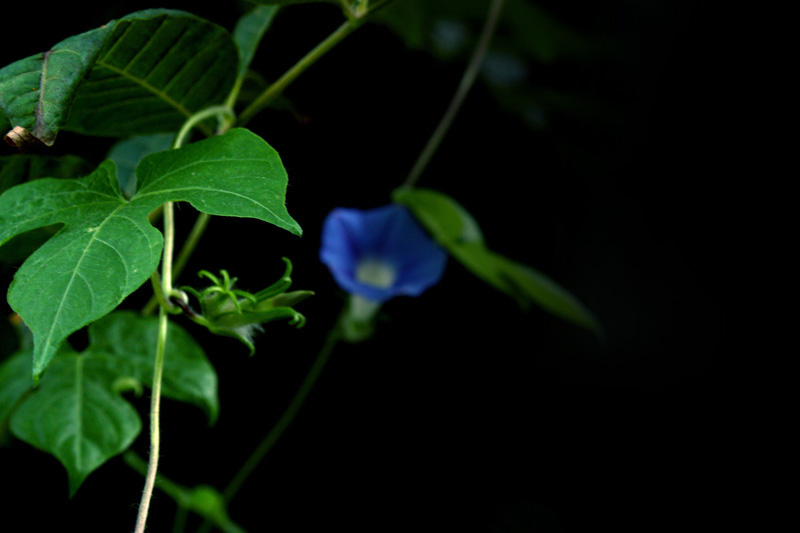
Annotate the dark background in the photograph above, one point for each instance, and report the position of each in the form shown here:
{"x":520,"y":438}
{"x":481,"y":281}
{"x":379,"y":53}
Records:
{"x":464,"y":413}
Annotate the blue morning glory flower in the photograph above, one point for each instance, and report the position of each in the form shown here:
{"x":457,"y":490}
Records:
{"x":380,"y":253}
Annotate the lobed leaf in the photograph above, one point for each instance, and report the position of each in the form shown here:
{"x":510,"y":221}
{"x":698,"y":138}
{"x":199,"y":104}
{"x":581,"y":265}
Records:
{"x":457,"y":231}
{"x":77,"y":417}
{"x":144,"y":73}
{"x":107,"y":247}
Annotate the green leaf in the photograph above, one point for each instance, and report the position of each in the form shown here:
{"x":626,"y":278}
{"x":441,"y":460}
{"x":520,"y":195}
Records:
{"x":127,"y":154}
{"x":458,"y":232}
{"x":36,"y":92}
{"x":147,"y":73}
{"x":446,"y":219}
{"x":15,"y":381}
{"x":107,"y":247}
{"x":129,"y":341}
{"x":77,"y":417}
{"x":248,"y":33}
{"x":15,"y":169}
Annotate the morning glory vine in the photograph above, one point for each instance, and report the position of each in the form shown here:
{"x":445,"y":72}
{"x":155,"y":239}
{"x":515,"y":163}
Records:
{"x":108,"y":246}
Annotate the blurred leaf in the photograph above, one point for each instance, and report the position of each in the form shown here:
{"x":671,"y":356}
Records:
{"x":76,"y":416}
{"x":129,"y":341}
{"x":287,"y":2}
{"x":127,"y":154}
{"x":15,"y":169}
{"x":457,"y":231}
{"x":248,"y":32}
{"x":447,"y":27}
{"x":528,"y":39}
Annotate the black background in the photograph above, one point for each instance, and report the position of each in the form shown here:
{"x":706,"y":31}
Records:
{"x":464,"y":413}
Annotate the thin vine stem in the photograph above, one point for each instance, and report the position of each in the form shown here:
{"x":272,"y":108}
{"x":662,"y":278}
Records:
{"x":288,"y":416}
{"x":274,"y":90}
{"x":155,"y":431}
{"x":333,"y":338}
{"x":467,"y":80}
{"x":161,"y":342}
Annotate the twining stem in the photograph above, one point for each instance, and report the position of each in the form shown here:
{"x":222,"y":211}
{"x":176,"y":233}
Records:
{"x":294,"y":406}
{"x":274,"y":90}
{"x":155,"y":433}
{"x":161,"y":342}
{"x":225,"y":118}
{"x":286,"y":419}
{"x":464,"y":86}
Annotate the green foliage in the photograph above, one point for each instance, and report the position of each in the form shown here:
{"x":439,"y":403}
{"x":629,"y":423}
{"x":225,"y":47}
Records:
{"x":77,"y":413}
{"x":15,"y":169}
{"x":130,"y":342}
{"x":145,"y":73}
{"x":127,"y":153}
{"x":77,"y":416}
{"x":107,"y":247}
{"x":249,"y":30}
{"x":455,"y":229}
{"x":15,"y":381}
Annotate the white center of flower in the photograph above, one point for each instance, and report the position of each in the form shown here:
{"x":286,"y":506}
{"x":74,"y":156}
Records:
{"x":376,"y":273}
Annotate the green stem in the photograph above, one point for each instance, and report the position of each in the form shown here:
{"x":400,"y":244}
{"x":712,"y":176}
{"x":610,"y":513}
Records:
{"x":461,"y":93}
{"x":191,"y":243}
{"x":175,"y":491}
{"x":224,"y":115}
{"x":274,"y":90}
{"x":155,"y":432}
{"x":286,"y":419}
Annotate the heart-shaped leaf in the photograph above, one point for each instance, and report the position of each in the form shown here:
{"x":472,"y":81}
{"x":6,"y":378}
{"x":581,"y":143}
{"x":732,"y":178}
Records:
{"x":77,"y":417}
{"x":107,"y":247}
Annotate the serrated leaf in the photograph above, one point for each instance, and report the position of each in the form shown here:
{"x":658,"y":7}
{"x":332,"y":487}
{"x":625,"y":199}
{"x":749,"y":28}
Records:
{"x":107,"y":247}
{"x":249,"y":30}
{"x":76,"y":416}
{"x":129,"y":340}
{"x":147,"y":72}
{"x":15,"y":381}
{"x":127,"y":153}
{"x":458,"y":232}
